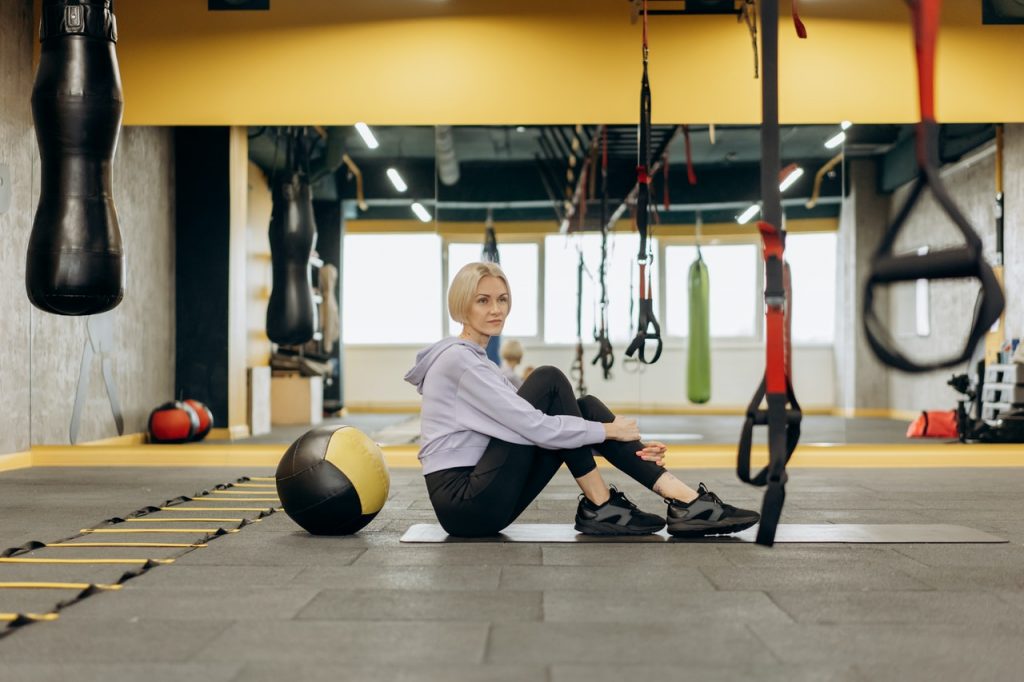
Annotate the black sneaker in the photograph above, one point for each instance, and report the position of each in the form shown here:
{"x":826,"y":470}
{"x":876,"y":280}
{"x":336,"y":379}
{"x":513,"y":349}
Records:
{"x":617,"y":516}
{"x":707,"y":515}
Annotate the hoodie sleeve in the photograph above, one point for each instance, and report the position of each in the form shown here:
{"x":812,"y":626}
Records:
{"x":486,"y":404}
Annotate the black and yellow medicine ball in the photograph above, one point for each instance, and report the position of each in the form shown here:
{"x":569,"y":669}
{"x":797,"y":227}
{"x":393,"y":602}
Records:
{"x":333,"y":480}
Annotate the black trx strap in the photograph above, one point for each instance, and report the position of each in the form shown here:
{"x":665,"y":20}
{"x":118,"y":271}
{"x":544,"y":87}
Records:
{"x":966,"y":261}
{"x":783,"y":422}
{"x":647,"y":327}
{"x":604,"y":346}
{"x":576,"y":372}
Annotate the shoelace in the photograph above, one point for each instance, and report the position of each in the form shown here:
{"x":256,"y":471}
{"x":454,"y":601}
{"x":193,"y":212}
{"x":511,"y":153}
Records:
{"x":622,"y":496}
{"x":714,"y":497}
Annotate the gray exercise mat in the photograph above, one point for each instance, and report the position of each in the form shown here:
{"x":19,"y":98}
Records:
{"x":856,"y":533}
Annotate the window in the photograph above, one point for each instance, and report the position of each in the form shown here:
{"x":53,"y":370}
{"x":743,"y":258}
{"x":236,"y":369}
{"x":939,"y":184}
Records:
{"x":392,"y":288}
{"x":560,"y":266}
{"x":733,"y":290}
{"x":519,"y":261}
{"x":812,"y":262}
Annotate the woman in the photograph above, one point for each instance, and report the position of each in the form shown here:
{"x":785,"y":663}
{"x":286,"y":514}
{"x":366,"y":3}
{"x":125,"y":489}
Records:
{"x":487,"y":451}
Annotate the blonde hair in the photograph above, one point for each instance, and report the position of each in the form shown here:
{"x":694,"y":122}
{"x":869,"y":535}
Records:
{"x":463,"y":288}
{"x":512,"y":350}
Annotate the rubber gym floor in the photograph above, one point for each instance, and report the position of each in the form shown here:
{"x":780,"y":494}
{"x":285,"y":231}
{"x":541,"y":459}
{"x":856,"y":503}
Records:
{"x":270,"y":602}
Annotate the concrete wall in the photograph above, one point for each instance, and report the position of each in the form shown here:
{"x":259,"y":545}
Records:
{"x":39,"y":363}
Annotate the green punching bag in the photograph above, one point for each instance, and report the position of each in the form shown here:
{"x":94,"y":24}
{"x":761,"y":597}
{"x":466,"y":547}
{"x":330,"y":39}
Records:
{"x":698,"y":373}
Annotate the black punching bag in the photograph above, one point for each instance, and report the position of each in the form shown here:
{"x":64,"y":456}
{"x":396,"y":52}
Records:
{"x":291,"y":314}
{"x":75,"y":263}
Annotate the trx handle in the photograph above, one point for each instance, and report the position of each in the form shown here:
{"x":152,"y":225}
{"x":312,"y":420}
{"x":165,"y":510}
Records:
{"x":605,"y":354}
{"x":647,"y":328}
{"x":965,"y":262}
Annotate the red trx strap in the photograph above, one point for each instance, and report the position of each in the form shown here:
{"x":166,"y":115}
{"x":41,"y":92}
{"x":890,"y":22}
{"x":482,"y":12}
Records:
{"x":965,"y":261}
{"x":647,"y":325}
{"x":783,"y":422}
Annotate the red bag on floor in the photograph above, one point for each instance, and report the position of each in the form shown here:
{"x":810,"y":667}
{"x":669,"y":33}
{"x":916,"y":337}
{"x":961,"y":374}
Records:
{"x":934,"y":424}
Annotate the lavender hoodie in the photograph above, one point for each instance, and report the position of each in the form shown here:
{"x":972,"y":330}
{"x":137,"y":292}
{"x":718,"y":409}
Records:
{"x":467,"y":401}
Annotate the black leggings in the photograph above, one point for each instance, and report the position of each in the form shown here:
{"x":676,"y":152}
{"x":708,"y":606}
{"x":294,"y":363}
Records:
{"x":481,"y":500}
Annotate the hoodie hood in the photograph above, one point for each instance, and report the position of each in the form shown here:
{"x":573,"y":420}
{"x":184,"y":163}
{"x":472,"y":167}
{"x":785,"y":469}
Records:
{"x":426,"y":358}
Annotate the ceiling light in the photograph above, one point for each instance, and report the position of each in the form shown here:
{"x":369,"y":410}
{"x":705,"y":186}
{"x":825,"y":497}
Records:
{"x":835,"y":140}
{"x":520,"y":129}
{"x":745,"y":217}
{"x":845,"y":124}
{"x":397,"y":180}
{"x":793,"y":176}
{"x":367,"y":135}
{"x":420,"y":212}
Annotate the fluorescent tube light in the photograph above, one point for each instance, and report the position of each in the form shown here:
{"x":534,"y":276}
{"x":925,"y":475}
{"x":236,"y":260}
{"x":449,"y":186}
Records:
{"x":788,"y":181}
{"x":397,"y":180}
{"x":367,"y":135}
{"x":420,"y":212}
{"x":845,"y":124}
{"x":751,"y":211}
{"x":835,"y":140}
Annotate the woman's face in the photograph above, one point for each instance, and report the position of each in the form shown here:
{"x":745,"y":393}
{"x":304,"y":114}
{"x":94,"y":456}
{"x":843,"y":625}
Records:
{"x":489,"y":308}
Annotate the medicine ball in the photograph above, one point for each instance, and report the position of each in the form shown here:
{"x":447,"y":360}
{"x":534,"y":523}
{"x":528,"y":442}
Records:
{"x":205,"y":418}
{"x":173,"y":422}
{"x":333,"y":480}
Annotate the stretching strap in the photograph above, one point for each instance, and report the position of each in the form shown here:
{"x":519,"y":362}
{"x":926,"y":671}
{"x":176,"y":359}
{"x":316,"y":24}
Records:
{"x":965,"y":261}
{"x":783,"y":415}
{"x":647,"y":327}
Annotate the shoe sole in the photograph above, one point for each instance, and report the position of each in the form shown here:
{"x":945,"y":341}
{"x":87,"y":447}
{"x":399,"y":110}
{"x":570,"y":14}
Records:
{"x":691,"y":532}
{"x":609,"y":529}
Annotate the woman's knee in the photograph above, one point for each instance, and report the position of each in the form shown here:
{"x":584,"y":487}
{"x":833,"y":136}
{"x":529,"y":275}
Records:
{"x":547,"y":374}
{"x":594,"y":410}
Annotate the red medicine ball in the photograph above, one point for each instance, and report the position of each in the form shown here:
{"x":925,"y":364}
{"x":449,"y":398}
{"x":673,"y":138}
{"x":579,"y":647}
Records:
{"x":205,"y":418}
{"x":173,"y":422}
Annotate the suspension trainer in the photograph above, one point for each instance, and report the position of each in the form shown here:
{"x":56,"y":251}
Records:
{"x":647,"y":327}
{"x":783,"y":414}
{"x":965,"y":261}
{"x":604,"y":347}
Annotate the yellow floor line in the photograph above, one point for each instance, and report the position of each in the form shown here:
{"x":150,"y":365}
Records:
{"x":903,"y":455}
{"x":119,"y":562}
{"x":37,"y":617}
{"x":155,"y":530}
{"x":187,"y":519}
{"x":56,"y":586}
{"x":73,"y":545}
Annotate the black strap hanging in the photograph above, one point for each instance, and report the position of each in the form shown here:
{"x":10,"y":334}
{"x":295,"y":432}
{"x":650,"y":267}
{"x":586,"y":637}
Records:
{"x":647,"y":328}
{"x":605,"y":355}
{"x":965,"y":261}
{"x":576,"y":371}
{"x":783,"y":422}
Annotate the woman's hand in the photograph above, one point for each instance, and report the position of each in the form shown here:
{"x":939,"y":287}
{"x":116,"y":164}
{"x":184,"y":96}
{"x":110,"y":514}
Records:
{"x":653,"y":452}
{"x":622,"y":429}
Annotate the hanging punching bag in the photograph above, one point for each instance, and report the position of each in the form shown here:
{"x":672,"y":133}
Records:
{"x":698,"y":368}
{"x":75,"y":264}
{"x":291,"y":313}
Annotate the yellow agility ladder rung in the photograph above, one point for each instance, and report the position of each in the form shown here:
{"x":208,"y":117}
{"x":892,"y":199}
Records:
{"x":235,"y":492}
{"x":127,"y":562}
{"x":34,"y":617}
{"x":260,"y":478}
{"x":65,"y":545}
{"x":209,"y":509}
{"x":185,"y":519}
{"x":155,"y":530}
{"x":254,"y":485}
{"x":56,"y":586}
{"x":207,"y":498}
